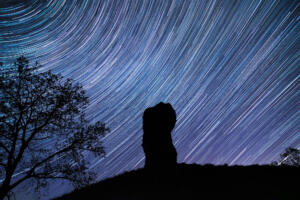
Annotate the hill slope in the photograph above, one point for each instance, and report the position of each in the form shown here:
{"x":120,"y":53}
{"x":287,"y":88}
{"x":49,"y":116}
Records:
{"x":198,"y":182}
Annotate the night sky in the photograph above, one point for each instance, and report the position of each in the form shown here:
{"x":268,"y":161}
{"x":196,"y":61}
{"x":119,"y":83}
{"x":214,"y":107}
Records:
{"x":229,"y":68}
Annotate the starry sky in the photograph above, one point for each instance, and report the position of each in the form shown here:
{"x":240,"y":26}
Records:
{"x":229,"y":68}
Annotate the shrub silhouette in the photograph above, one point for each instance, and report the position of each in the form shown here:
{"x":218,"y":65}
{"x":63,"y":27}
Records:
{"x":291,"y":156}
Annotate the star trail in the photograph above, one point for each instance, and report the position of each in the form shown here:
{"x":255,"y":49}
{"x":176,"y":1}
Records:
{"x":230,"y":69}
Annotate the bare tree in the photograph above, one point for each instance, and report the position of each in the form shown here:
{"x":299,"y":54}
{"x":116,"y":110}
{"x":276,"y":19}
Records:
{"x":291,"y":156}
{"x":43,"y":131}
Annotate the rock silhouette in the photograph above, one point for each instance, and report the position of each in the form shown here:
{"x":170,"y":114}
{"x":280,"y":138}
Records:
{"x":163,"y":178}
{"x":158,"y":123}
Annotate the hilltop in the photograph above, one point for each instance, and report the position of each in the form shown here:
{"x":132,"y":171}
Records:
{"x":197,"y":182}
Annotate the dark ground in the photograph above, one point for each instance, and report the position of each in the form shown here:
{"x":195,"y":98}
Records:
{"x":198,"y":182}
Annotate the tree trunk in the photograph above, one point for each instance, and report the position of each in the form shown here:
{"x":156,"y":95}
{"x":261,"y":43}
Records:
{"x":5,"y":187}
{"x":3,"y":192}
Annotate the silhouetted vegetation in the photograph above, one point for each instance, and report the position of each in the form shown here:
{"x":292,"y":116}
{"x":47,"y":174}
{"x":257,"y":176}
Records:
{"x":43,"y":130}
{"x":291,"y":157}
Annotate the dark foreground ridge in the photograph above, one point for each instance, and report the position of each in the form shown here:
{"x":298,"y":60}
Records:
{"x":198,"y":182}
{"x":163,"y":178}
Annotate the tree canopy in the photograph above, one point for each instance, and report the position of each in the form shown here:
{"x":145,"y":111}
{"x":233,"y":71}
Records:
{"x":291,"y":156}
{"x":44,"y":133}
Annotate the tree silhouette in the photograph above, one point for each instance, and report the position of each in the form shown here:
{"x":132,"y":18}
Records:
{"x":291,"y":157}
{"x":43,"y":131}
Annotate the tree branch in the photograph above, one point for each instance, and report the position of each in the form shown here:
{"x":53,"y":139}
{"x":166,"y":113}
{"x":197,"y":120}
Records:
{"x":4,"y":147}
{"x":31,"y":171}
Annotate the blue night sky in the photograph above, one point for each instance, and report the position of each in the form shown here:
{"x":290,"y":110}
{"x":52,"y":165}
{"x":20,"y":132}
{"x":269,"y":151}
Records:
{"x":229,"y":68}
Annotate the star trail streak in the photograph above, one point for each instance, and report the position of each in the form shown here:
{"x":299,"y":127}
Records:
{"x":229,"y":68}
